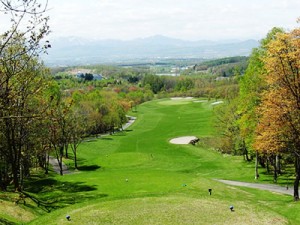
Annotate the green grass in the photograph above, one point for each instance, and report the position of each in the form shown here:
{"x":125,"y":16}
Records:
{"x":138,"y":177}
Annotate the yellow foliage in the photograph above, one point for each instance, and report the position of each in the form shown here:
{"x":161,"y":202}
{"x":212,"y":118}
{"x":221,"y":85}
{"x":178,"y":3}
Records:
{"x":279,"y":113}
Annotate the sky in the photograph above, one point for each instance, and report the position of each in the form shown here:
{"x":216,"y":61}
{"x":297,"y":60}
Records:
{"x":182,"y":19}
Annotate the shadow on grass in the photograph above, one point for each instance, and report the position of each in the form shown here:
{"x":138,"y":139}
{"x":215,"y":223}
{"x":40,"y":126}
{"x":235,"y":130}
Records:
{"x":285,"y":178}
{"x":89,"y":168}
{"x":49,"y":193}
{"x":79,"y":159}
{"x":50,"y":184}
{"x":106,"y":138}
{"x":122,"y":132}
{"x":6,"y":222}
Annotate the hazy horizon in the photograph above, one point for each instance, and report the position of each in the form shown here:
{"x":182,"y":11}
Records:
{"x":154,"y":36}
{"x":190,"y":20}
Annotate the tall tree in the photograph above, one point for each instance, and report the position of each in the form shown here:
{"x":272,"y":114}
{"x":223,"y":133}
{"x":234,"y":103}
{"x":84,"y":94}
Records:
{"x":21,"y":85}
{"x":252,"y":85}
{"x":77,"y":130}
{"x":279,"y":123}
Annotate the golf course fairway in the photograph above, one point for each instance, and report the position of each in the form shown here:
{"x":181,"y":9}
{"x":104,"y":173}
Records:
{"x":137,"y":176}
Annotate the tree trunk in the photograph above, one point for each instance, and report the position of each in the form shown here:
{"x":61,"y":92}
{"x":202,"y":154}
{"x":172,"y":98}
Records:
{"x":278,"y":164}
{"x":262,"y":162}
{"x":61,"y":152}
{"x":245,"y":152}
{"x":276,"y":168}
{"x":75,"y":159}
{"x":297,"y":179}
{"x":15,"y":177}
{"x":60,"y":166}
{"x":59,"y":156}
{"x":256,"y":166}
{"x":275,"y":173}
{"x":66,"y":150}
{"x":47,"y":164}
{"x":268,"y":163}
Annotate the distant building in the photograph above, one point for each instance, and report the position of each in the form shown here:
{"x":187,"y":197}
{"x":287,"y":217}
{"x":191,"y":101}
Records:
{"x":98,"y":77}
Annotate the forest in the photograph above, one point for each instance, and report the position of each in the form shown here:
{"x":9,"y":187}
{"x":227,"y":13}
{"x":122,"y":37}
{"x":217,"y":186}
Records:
{"x":49,"y":112}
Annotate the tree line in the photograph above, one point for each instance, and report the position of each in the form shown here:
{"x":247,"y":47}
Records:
{"x":37,"y":117}
{"x":262,"y":122}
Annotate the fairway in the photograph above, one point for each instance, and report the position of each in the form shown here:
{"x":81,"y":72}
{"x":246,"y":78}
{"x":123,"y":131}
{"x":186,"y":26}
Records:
{"x":138,"y":177}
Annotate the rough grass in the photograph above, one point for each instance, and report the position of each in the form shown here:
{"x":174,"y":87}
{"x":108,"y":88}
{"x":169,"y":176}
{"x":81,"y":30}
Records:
{"x":14,"y":213}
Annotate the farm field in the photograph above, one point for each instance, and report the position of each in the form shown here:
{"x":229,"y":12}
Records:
{"x":138,"y":177}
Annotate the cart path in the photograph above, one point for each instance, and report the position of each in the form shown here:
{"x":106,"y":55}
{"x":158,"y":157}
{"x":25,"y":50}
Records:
{"x":53,"y":161}
{"x":268,"y":187}
{"x":131,"y":120}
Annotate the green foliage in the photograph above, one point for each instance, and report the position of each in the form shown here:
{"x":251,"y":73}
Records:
{"x":155,"y":82}
{"x":252,"y":85}
{"x":225,"y":67}
{"x":23,"y":99}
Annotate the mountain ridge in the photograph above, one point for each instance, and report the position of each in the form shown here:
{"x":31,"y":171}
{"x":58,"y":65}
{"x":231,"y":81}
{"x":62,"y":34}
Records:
{"x":74,"y":50}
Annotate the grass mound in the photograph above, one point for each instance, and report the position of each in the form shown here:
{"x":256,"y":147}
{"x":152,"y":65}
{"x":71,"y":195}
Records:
{"x":11,"y":213}
{"x":168,"y":210}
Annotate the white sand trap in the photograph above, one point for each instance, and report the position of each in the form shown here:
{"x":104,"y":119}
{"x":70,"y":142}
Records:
{"x":217,"y":103}
{"x":182,"y":140}
{"x":200,"y":101}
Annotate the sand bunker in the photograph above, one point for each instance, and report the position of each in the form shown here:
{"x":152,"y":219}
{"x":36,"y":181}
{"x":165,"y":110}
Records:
{"x":182,"y":140}
{"x":200,"y":101}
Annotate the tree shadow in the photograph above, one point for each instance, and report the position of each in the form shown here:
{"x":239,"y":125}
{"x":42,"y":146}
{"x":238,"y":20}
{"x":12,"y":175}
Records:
{"x":49,"y":193}
{"x":89,"y":168}
{"x":285,"y":178}
{"x":106,"y":138}
{"x":6,"y":222}
{"x":79,"y":159}
{"x":50,"y":184}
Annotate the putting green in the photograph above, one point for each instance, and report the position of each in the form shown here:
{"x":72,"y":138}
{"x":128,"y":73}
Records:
{"x":177,"y":101}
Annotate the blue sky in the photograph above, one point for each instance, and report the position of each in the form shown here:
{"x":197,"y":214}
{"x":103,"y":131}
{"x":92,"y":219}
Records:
{"x":184,"y":19}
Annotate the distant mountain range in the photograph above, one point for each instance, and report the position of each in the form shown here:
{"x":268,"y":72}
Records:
{"x":79,"y":51}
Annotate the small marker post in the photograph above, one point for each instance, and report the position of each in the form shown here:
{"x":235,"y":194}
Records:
{"x":209,"y":191}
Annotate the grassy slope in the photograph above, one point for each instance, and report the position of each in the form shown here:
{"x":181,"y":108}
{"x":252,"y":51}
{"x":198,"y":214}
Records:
{"x":167,"y":184}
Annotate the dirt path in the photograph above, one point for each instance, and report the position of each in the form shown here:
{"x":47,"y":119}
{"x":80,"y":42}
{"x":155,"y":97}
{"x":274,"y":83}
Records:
{"x":268,"y":187}
{"x":55,"y":166}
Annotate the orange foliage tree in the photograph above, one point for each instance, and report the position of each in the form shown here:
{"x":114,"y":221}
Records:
{"x":279,"y":113}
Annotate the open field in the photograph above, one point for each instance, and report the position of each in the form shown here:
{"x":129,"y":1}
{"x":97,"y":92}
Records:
{"x":139,"y":177}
